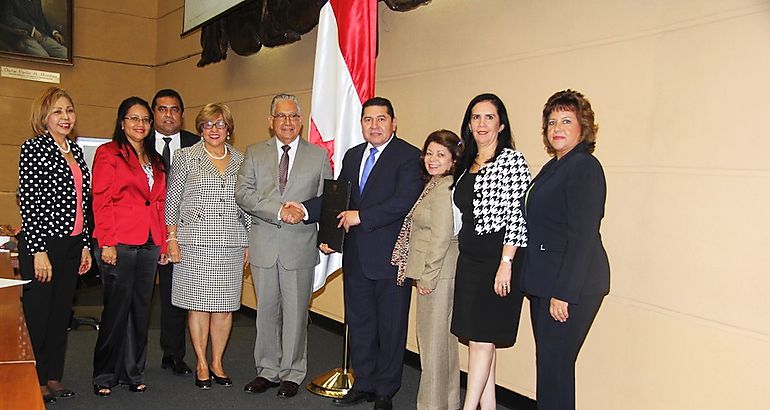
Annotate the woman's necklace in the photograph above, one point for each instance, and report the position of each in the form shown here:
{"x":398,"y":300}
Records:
{"x":142,"y":158}
{"x":213,"y":156}
{"x":67,"y":144}
{"x":478,"y":161}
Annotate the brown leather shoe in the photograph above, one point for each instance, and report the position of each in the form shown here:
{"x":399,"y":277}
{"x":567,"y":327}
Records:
{"x":259,"y":385}
{"x":288,"y":389}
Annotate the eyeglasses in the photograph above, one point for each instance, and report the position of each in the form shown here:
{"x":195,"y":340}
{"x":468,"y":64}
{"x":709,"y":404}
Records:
{"x":209,"y":125}
{"x":134,"y":119}
{"x":282,"y":116}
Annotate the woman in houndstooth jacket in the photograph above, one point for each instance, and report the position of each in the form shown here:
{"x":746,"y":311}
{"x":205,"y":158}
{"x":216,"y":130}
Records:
{"x":491,"y":179}
{"x":207,"y":238}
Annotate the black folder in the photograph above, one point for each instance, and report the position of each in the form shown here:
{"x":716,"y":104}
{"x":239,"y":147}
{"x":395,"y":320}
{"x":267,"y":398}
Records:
{"x":335,"y":199}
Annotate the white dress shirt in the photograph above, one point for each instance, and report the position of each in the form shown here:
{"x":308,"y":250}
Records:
{"x":368,"y":150}
{"x":292,"y":152}
{"x":173,"y":145}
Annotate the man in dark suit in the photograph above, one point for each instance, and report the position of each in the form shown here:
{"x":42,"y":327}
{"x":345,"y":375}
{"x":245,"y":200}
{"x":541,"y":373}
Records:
{"x":32,"y":33}
{"x":385,"y":179}
{"x":168,"y":114}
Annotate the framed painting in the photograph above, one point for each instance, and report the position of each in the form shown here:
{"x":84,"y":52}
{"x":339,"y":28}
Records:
{"x":38,"y":30}
{"x":89,"y":146}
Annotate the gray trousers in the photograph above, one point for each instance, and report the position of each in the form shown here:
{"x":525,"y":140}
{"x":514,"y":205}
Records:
{"x":280,"y":352}
{"x":47,"y":47}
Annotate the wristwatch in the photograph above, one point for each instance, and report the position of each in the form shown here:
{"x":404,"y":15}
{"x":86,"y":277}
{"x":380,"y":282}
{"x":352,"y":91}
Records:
{"x":507,"y":259}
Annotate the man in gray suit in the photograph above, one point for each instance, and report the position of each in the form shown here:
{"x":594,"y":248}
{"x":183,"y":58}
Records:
{"x":276,"y":175}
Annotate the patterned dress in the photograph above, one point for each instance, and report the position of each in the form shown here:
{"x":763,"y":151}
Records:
{"x":490,"y":218}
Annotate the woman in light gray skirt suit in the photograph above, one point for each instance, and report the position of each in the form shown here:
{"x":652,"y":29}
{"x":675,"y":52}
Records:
{"x":207,"y":239}
{"x":427,"y":251}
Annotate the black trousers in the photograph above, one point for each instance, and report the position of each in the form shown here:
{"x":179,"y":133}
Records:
{"x":173,"y":320}
{"x":121,"y":348}
{"x":557,"y":346}
{"x":376,"y":312}
{"x":48,"y":306}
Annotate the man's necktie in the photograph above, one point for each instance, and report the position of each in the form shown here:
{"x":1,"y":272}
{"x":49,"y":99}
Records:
{"x":166,"y":154}
{"x":368,"y":165}
{"x":283,"y":168}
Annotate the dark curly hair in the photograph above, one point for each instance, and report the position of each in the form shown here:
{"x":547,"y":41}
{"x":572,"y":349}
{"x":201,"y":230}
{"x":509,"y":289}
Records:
{"x":570,"y":100}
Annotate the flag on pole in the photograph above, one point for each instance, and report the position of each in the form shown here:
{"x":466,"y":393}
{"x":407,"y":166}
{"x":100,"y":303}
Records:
{"x":343,"y":78}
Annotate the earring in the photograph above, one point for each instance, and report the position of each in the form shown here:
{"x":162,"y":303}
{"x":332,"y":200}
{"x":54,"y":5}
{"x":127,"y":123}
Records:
{"x":228,"y":137}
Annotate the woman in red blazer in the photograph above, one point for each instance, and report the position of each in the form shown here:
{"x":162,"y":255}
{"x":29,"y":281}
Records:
{"x":129,"y":186}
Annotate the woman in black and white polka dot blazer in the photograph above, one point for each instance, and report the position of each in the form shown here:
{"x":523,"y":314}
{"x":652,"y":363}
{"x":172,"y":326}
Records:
{"x":54,"y":191}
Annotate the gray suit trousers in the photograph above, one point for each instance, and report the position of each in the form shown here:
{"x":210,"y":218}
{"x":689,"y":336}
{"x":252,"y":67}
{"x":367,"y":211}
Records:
{"x":280,"y":352}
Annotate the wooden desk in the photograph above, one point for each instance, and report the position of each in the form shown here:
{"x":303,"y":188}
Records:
{"x":18,"y":378}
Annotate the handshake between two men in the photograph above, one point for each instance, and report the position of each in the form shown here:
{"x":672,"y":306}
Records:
{"x":294,"y":212}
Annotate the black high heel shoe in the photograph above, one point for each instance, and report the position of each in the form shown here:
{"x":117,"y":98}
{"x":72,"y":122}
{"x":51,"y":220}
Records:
{"x":222,"y":381}
{"x":49,"y":398}
{"x":203,"y":384}
{"x":102,"y":391}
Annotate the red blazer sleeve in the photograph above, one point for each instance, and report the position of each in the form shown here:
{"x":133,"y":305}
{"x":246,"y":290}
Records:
{"x":160,"y":181}
{"x":104,"y":208}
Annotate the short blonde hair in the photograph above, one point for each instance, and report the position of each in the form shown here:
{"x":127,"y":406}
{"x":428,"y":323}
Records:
{"x":210,"y":112}
{"x":41,"y":108}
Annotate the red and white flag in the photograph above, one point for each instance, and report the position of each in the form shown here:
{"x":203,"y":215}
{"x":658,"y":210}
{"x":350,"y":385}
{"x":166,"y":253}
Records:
{"x":343,"y":78}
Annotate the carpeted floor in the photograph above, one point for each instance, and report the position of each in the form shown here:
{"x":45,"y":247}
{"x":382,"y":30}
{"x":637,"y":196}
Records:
{"x":167,"y":391}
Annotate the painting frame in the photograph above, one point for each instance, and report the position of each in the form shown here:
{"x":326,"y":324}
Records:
{"x":89,"y":145}
{"x":18,"y":41}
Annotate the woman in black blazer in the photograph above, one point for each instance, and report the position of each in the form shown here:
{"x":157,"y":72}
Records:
{"x":566,"y":272}
{"x":54,"y":191}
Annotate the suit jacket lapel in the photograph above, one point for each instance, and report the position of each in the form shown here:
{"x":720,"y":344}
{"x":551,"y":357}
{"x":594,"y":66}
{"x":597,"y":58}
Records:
{"x":133,"y":164}
{"x":232,"y":167}
{"x":379,"y":165}
{"x":551,"y":168}
{"x":298,"y":164}
{"x":271,"y":160}
{"x":158,"y":183}
{"x":356,"y":153}
{"x":204,"y":163}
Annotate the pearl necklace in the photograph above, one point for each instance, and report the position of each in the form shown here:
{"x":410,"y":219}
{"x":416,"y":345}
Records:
{"x":67,"y":143}
{"x":215,"y":157}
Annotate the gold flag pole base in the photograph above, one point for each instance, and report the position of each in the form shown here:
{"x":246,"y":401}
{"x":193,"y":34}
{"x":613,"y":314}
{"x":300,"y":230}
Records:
{"x":335,"y":383}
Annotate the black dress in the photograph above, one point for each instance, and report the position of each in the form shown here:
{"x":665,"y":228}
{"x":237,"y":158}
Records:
{"x":480,"y":315}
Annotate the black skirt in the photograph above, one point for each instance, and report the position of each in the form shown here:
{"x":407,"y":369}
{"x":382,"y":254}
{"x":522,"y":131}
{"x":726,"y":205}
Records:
{"x":479,"y":314}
